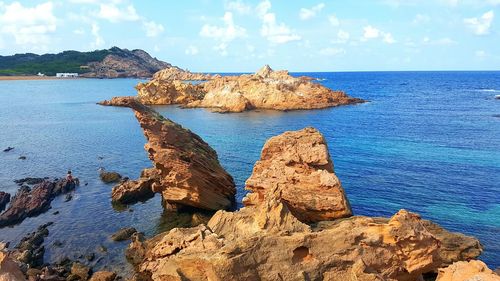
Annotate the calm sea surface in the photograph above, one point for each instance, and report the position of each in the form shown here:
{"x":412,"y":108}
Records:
{"x":428,"y":142}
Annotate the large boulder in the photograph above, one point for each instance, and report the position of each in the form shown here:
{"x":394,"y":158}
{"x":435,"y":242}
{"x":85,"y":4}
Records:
{"x":473,"y":270}
{"x":298,"y":165}
{"x":133,"y":191}
{"x":190,"y":174}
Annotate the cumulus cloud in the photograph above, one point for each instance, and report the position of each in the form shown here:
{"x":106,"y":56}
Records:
{"x":331,"y":51}
{"x":238,"y":6}
{"x":98,"y":40}
{"x":226,"y":33}
{"x":370,"y":32}
{"x":480,"y":25}
{"x":334,"y":21}
{"x":28,"y":25}
{"x":152,"y":28}
{"x":308,"y":13}
{"x":342,"y":37}
{"x":191,"y":50}
{"x":274,"y":32}
{"x":113,"y":13}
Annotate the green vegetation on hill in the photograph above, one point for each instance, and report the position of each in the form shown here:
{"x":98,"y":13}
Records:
{"x":50,"y":64}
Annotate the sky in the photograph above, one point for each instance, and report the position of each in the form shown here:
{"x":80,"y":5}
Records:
{"x":243,"y":35}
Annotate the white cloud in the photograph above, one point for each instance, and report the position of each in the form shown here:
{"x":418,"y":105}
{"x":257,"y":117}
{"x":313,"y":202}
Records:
{"x":98,"y":40}
{"x":332,"y":51}
{"x":480,"y":26}
{"x":28,"y":25}
{"x":238,"y":6}
{"x":79,"y":31}
{"x":112,"y":13}
{"x":191,"y":50}
{"x":480,"y":54}
{"x":370,"y":32}
{"x":342,"y":37}
{"x":445,"y":41}
{"x":308,"y":13}
{"x":421,"y":19}
{"x":334,"y":21}
{"x":276,"y":33}
{"x":226,"y":33}
{"x":221,"y":48}
{"x":152,"y":28}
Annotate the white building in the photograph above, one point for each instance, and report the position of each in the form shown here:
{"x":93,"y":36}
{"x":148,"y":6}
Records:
{"x":66,"y":75}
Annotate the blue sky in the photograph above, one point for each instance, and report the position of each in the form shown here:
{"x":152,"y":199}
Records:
{"x":243,"y":35}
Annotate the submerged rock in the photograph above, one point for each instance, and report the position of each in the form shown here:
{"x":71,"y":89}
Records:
{"x":109,"y":177}
{"x":8,"y":149}
{"x":133,"y":191}
{"x":123,"y":234}
{"x":298,"y":165}
{"x":30,"y":249}
{"x":30,"y":181}
{"x":190,"y":174}
{"x":266,"y":89}
{"x":4,"y":200}
{"x":473,"y":270}
{"x":30,"y":202}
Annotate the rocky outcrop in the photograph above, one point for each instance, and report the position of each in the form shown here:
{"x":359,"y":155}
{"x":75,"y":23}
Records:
{"x":9,"y":269}
{"x":266,"y":89}
{"x":4,"y":200}
{"x":467,"y":271}
{"x":30,"y":249}
{"x":454,"y":246}
{"x":123,"y":234}
{"x":109,"y":176}
{"x":30,"y":202}
{"x":133,"y":191}
{"x":121,"y":63}
{"x":190,"y":174}
{"x":103,"y":276}
{"x":298,"y":165}
{"x":173,"y":73}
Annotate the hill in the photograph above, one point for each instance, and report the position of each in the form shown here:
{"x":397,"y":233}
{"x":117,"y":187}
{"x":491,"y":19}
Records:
{"x":111,"y":63}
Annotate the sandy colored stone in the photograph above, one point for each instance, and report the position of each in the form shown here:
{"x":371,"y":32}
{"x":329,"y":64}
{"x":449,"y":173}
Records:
{"x":103,"y":276}
{"x":473,"y":270}
{"x":190,"y":174}
{"x":173,"y":73}
{"x":9,"y":270}
{"x":266,"y":89}
{"x":132,"y":191}
{"x":298,"y":165}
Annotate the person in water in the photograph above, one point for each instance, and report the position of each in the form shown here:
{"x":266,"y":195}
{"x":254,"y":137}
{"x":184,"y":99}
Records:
{"x":69,"y":177}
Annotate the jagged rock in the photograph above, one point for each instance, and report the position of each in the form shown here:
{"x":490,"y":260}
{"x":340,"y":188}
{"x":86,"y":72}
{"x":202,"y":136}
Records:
{"x":189,"y":171}
{"x":30,"y":249}
{"x":454,"y":246}
{"x":473,"y":270}
{"x":8,"y":149}
{"x":30,"y":181}
{"x":9,"y":269}
{"x":80,"y":270}
{"x":103,"y":276}
{"x":4,"y":200}
{"x":174,"y":73}
{"x":298,"y":164}
{"x":123,"y":234}
{"x":30,"y":202}
{"x":266,"y":89}
{"x":132,"y":191}
{"x":109,"y":177}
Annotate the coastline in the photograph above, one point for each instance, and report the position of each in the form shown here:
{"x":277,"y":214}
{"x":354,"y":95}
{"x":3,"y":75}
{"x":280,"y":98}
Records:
{"x":34,"y":77}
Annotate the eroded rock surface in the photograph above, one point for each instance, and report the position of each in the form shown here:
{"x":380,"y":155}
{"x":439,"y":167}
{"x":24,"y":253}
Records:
{"x":473,"y":270}
{"x":266,"y":89}
{"x":298,"y":165}
{"x":30,"y":202}
{"x":4,"y":200}
{"x":133,"y":191}
{"x":174,"y":73}
{"x":9,"y":269}
{"x":189,"y":170}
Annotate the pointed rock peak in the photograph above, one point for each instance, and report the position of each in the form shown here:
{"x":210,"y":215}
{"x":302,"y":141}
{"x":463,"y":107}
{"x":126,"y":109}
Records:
{"x":265,"y":71}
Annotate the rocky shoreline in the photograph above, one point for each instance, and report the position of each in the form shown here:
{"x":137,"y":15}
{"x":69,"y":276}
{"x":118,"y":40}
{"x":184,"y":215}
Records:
{"x":297,"y":223}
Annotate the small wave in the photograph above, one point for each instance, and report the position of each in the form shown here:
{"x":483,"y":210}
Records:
{"x":489,"y":90}
{"x":321,"y":79}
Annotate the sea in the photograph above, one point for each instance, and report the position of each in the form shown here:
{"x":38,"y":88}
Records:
{"x":427,"y":142}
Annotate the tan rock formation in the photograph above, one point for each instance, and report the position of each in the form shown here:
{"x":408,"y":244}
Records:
{"x":298,"y":165}
{"x":172,"y":74}
{"x":473,"y":270}
{"x":132,"y":191}
{"x":9,"y":270}
{"x":189,"y":170}
{"x":266,"y":89}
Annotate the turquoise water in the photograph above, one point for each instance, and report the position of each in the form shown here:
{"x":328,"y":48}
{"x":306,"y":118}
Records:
{"x":426,"y":142}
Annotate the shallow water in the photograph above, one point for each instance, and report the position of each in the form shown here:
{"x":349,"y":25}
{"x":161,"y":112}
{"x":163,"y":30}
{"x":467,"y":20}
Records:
{"x":426,"y":142}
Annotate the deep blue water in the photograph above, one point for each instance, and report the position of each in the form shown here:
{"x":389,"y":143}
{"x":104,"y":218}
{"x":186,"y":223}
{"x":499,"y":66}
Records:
{"x":427,"y":142}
